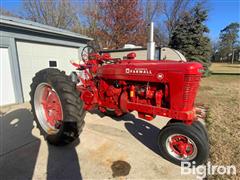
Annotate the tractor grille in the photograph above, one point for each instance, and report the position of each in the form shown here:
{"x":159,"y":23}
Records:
{"x":191,"y":84}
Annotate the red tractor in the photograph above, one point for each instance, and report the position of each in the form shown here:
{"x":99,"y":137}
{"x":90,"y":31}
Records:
{"x":116,"y":87}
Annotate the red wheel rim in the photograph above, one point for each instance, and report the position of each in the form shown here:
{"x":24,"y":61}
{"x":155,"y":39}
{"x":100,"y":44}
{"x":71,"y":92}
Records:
{"x":48,"y":108}
{"x":181,"y":147}
{"x":52,"y":106}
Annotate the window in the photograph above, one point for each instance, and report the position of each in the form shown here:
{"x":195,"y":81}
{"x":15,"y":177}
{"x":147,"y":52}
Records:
{"x":52,"y":63}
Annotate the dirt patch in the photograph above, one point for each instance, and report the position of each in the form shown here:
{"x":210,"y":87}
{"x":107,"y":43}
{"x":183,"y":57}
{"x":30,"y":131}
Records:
{"x":120,"y":168}
{"x":221,"y":95}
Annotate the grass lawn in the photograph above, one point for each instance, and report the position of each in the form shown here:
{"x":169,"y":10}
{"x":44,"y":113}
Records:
{"x":221,"y":94}
{"x":225,"y":68}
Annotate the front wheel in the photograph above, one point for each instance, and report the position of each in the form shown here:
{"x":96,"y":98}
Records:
{"x":183,"y":143}
{"x":56,"y":106}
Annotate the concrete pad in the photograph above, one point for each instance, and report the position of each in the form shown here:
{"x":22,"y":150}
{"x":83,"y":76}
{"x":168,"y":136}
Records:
{"x":123,"y":148}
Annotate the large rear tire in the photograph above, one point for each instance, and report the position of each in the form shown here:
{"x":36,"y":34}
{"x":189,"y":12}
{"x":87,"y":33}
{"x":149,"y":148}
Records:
{"x":56,"y":106}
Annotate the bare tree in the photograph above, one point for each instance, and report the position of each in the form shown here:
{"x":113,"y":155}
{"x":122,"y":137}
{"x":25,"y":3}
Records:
{"x":152,"y":9}
{"x":91,"y":11}
{"x":57,"y":13}
{"x":173,"y":12}
{"x":152,"y":12}
{"x":115,"y":23}
{"x":160,"y":35}
{"x":6,"y":12}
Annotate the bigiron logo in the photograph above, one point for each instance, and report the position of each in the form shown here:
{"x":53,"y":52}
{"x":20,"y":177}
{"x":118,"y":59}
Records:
{"x":138,"y":71}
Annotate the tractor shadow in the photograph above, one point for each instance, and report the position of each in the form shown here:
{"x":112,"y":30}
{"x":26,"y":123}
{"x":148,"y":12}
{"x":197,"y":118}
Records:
{"x":63,"y":162}
{"x":19,"y":148}
{"x":143,"y":131}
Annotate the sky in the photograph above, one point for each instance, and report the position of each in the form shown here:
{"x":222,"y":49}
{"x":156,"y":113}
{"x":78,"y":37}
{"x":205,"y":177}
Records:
{"x":221,"y":13}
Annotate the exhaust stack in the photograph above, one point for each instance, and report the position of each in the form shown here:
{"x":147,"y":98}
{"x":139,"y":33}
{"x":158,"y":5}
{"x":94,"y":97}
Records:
{"x":151,"y":43}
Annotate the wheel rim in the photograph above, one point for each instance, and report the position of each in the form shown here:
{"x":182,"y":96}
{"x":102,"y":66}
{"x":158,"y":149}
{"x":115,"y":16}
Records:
{"x":48,"y":108}
{"x":181,"y":147}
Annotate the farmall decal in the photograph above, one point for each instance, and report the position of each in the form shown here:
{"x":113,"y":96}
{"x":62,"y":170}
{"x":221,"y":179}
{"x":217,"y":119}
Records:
{"x":139,"y":71}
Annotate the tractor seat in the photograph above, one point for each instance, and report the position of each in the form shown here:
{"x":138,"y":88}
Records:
{"x":131,"y":55}
{"x":106,"y":56}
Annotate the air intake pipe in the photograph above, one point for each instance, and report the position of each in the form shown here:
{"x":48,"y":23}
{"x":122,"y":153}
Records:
{"x":151,"y":43}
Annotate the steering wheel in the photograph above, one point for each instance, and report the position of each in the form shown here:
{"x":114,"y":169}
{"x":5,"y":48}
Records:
{"x":85,"y":53}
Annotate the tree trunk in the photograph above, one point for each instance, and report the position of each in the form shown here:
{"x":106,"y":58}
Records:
{"x":232,"y":56}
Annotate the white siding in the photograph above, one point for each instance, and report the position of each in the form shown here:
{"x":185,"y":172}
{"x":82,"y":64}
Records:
{"x":7,"y":95}
{"x":34,"y":57}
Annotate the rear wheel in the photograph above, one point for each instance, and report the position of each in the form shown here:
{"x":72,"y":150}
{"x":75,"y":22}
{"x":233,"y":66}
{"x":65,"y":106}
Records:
{"x":179,"y":142}
{"x":56,"y":106}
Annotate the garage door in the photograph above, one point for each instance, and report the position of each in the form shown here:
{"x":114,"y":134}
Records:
{"x":7,"y":95}
{"x":34,"y":57}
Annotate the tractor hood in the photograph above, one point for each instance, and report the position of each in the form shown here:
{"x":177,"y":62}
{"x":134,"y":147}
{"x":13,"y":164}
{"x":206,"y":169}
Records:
{"x":148,"y":70}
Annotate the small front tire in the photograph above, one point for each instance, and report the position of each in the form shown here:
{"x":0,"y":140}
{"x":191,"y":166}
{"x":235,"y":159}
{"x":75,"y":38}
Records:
{"x":197,"y":124}
{"x":183,"y":143}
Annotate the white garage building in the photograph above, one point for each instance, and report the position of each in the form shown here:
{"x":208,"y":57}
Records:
{"x":27,"y":47}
